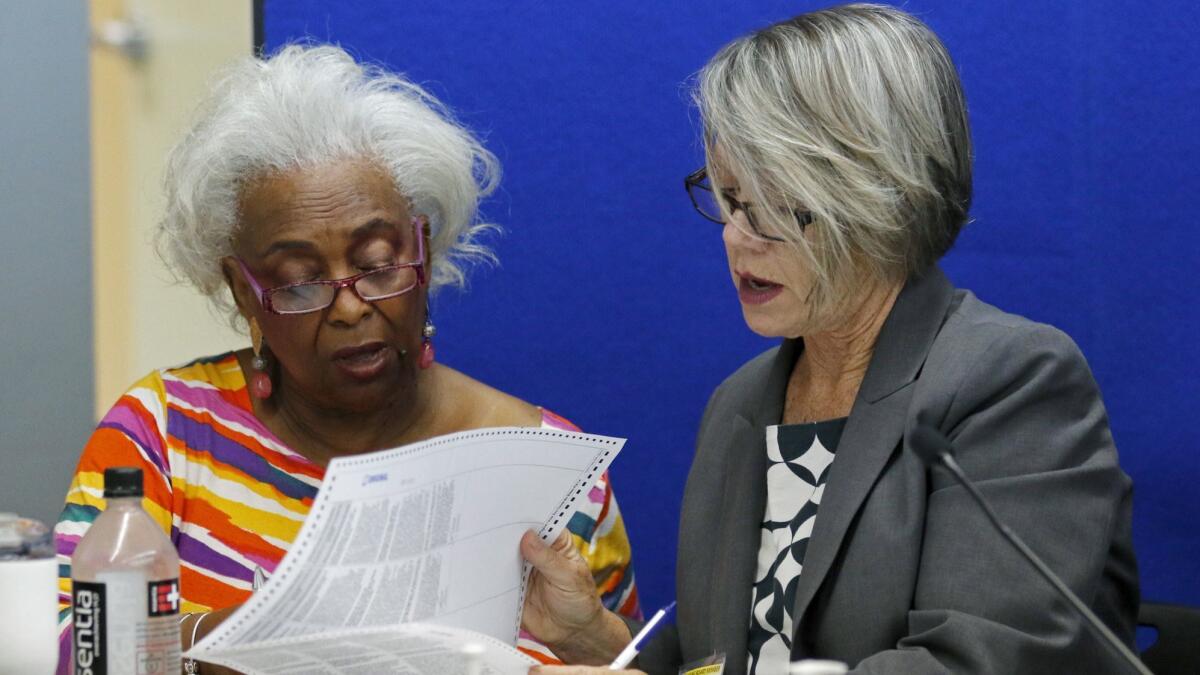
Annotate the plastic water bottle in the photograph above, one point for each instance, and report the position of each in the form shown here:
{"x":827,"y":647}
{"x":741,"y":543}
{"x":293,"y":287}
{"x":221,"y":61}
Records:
{"x":125,"y":588}
{"x":28,"y":597}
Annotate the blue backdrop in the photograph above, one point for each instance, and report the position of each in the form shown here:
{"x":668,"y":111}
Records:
{"x":612,"y":304}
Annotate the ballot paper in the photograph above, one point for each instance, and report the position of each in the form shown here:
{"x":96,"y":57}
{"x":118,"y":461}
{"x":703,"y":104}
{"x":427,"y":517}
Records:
{"x":408,"y":555}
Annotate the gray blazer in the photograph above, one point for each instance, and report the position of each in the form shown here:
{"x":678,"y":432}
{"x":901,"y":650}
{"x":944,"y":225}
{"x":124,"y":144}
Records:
{"x":903,"y":573}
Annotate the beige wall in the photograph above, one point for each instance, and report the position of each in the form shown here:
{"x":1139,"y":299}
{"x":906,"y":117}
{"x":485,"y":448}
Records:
{"x":143,"y":319}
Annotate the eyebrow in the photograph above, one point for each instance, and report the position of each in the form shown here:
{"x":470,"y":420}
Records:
{"x":286,"y":245}
{"x":357,"y":233}
{"x":372,"y":225}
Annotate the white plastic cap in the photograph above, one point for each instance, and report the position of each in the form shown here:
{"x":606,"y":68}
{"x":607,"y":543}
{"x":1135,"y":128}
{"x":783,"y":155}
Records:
{"x":818,"y":667}
{"x":25,"y":538}
{"x":10,"y":536}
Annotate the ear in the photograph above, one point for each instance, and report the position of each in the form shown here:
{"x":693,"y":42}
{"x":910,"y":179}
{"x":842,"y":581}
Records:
{"x":243,"y":296}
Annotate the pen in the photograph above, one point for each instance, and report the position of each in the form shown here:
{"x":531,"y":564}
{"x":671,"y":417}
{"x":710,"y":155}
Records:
{"x":631,"y":650}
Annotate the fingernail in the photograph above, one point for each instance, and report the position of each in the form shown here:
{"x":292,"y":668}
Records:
{"x":535,"y":540}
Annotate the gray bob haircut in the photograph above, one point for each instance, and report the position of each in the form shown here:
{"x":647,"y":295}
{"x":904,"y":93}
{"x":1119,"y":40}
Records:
{"x":855,"y":113}
{"x":307,"y":106}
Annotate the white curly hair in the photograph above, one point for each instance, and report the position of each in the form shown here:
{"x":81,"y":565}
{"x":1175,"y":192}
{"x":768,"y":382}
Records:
{"x":309,"y":105}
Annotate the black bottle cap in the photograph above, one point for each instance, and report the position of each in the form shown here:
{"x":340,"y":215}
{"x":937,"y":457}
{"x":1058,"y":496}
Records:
{"x":122,"y":481}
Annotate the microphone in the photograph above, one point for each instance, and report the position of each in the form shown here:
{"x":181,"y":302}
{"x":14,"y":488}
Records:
{"x":933,"y":448}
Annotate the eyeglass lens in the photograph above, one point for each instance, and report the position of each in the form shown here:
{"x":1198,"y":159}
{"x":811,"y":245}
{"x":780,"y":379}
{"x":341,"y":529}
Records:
{"x":382,"y":283}
{"x":706,"y":202}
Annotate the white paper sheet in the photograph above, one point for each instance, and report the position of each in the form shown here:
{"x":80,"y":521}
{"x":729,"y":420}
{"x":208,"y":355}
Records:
{"x":413,"y":648}
{"x":424,"y":534}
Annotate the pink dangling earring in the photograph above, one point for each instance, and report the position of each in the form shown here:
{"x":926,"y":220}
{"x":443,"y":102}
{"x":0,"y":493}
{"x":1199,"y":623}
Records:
{"x":427,"y":333}
{"x":260,"y":382}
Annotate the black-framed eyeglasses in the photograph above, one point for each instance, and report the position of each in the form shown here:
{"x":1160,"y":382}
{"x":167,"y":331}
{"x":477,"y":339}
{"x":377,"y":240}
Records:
{"x":705,"y":199}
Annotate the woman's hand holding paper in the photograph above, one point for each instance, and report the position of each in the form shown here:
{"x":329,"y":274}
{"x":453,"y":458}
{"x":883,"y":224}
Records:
{"x":562,"y":608}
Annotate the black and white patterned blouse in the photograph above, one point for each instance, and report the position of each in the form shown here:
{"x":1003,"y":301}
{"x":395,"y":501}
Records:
{"x":799,"y":457}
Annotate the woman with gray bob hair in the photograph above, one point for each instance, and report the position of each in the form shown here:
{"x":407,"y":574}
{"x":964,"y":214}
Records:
{"x":322,"y":201}
{"x":870,"y":140}
{"x":839,"y":168}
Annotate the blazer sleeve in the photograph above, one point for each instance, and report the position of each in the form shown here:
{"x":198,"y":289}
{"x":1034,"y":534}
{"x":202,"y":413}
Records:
{"x":1029,"y":428}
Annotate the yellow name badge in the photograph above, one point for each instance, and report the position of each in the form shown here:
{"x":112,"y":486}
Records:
{"x":713,"y":665}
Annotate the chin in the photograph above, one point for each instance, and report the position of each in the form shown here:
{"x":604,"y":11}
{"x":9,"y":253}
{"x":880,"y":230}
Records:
{"x":770,"y":324}
{"x":362,"y":400}
{"x":367,"y":396}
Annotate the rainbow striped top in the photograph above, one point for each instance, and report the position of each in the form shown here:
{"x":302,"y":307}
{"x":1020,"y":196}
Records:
{"x":232,"y":496}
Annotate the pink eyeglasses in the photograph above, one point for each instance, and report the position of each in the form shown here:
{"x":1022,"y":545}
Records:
{"x":380,"y":283}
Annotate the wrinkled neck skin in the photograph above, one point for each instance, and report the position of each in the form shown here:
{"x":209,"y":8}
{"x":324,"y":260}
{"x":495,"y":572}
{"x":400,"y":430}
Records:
{"x":830,"y":370}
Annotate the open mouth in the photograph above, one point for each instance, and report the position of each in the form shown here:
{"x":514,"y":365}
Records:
{"x":360,"y":354}
{"x":363,"y":362}
{"x":754,"y":290}
{"x":756,"y":283}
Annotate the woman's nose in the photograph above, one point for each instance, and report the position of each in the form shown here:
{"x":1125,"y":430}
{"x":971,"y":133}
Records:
{"x":348,"y":307}
{"x":737,"y":233}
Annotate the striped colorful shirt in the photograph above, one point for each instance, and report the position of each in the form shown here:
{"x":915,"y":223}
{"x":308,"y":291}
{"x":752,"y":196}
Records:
{"x":232,"y":496}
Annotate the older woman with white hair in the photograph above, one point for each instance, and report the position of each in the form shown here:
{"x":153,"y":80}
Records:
{"x":839,"y":167}
{"x":326,"y":200}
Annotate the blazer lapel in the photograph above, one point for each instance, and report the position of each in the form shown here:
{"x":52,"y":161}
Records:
{"x":735,"y":546}
{"x":876,"y":424}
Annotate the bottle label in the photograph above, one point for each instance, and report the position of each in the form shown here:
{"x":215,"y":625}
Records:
{"x":164,"y":597}
{"x":124,"y":624}
{"x":89,"y":634}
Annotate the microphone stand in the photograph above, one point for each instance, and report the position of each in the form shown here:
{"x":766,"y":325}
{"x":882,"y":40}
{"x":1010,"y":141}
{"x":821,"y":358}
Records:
{"x":944,"y":456}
